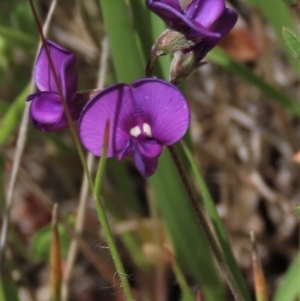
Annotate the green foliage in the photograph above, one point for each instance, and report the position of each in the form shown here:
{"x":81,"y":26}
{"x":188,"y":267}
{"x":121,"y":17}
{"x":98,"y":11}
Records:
{"x":126,"y":56}
{"x":190,"y":245}
{"x":289,"y":289}
{"x":8,"y":287}
{"x":292,"y":40}
{"x":217,"y":224}
{"x":131,"y":38}
{"x":297,"y":210}
{"x":12,"y":116}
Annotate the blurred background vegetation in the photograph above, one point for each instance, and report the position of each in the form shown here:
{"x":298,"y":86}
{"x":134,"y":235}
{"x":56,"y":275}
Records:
{"x":243,"y":140}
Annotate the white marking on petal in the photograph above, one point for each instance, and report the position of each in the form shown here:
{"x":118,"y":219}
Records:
{"x":135,"y":131}
{"x":147,"y":129}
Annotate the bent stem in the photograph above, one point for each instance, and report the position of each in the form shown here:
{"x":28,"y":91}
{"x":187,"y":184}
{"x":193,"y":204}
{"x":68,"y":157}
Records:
{"x":205,"y":227}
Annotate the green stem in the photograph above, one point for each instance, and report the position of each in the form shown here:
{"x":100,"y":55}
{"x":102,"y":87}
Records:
{"x":104,"y":222}
{"x":205,"y":227}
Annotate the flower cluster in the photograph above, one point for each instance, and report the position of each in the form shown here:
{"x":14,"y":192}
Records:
{"x":145,"y":115}
{"x":192,"y":32}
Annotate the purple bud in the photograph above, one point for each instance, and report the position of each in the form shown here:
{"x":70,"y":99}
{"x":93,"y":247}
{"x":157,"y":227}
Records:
{"x":183,"y":64}
{"x":46,"y":109}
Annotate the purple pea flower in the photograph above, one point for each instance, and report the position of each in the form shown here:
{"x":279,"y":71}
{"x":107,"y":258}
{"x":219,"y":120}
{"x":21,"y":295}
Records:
{"x":199,"y":20}
{"x":198,"y":28}
{"x":46,"y":109}
{"x":144,"y":116}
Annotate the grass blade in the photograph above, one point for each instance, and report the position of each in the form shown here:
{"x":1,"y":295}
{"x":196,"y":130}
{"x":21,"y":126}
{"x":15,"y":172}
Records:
{"x":288,"y":289}
{"x":292,"y":40}
{"x":217,"y":224}
{"x":126,"y":56}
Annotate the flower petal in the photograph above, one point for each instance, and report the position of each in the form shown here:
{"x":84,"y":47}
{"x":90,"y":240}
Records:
{"x":146,"y":166}
{"x":176,"y":20}
{"x":171,"y":3}
{"x":165,"y":109}
{"x":149,"y":148}
{"x":114,"y":103}
{"x":47,"y":112}
{"x":65,"y":68}
{"x":205,"y":12}
{"x":223,"y":26}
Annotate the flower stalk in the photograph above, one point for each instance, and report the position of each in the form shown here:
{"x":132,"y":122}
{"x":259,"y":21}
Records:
{"x":103,"y":219}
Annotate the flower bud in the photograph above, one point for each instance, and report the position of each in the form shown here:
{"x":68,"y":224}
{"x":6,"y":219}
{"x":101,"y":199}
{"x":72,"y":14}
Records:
{"x":168,"y":42}
{"x":184,"y":63}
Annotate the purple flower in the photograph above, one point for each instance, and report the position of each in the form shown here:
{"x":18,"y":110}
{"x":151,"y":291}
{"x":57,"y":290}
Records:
{"x":187,"y":60}
{"x":198,"y":28}
{"x":46,"y":109}
{"x":144,"y":116}
{"x":201,"y":19}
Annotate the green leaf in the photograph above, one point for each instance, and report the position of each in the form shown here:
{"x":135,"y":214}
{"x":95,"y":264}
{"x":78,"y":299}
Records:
{"x":126,"y":56}
{"x":289,"y":289}
{"x":297,"y":210}
{"x":292,"y":40}
{"x":218,"y":226}
{"x":190,"y":244}
{"x":8,"y":287}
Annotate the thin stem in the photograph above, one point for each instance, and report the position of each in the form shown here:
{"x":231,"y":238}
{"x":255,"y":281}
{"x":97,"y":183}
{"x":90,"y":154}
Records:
{"x":104,"y":222}
{"x":205,"y":227}
{"x":79,"y":226}
{"x":64,"y":102}
{"x":113,"y":249}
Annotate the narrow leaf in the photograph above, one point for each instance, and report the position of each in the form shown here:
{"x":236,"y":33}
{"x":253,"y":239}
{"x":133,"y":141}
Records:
{"x":8,"y":287}
{"x":297,"y":210}
{"x":128,"y":64}
{"x":217,"y":224}
{"x":288,"y":289}
{"x":292,"y":40}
